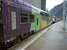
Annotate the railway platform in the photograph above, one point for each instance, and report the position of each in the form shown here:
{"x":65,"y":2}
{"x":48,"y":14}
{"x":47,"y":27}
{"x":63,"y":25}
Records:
{"x":51,"y":38}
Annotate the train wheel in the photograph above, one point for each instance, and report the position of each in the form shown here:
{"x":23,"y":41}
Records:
{"x":21,"y":37}
{"x":24,"y":36}
{"x":32,"y":32}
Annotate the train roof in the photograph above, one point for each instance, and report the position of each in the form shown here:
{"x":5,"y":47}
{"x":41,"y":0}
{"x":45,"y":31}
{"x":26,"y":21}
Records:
{"x":30,"y":5}
{"x":35,"y":8}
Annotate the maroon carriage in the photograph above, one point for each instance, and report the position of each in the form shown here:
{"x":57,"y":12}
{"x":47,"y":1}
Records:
{"x":14,"y":21}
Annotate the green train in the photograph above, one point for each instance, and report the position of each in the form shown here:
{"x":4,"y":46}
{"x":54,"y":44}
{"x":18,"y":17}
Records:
{"x":41,"y":19}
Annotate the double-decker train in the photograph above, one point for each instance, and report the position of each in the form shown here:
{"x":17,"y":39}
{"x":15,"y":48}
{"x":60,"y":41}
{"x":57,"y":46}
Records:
{"x":19,"y":19}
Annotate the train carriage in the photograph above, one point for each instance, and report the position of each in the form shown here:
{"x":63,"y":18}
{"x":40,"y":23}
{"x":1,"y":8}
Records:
{"x":41,"y":19}
{"x":19,"y":20}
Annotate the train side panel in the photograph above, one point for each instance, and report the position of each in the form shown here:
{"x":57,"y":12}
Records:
{"x":13,"y":26}
{"x":24,"y":26}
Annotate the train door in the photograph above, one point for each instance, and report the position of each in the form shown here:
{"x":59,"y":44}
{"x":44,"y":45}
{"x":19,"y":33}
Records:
{"x":14,"y":18}
{"x":35,"y":25}
{"x":32,"y":20}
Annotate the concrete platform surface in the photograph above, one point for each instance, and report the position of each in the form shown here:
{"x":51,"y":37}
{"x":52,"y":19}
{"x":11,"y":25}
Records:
{"x":52,"y":38}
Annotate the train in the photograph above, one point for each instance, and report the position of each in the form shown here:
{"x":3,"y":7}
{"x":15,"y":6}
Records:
{"x":19,"y":19}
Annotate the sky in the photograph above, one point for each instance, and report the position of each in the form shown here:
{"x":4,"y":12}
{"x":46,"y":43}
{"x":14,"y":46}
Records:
{"x":52,"y":3}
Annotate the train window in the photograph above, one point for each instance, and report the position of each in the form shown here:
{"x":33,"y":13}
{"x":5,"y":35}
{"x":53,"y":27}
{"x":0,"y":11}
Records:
{"x":44,"y":14}
{"x":13,"y":14}
{"x":0,"y":9}
{"x":24,"y":18}
{"x":12,"y":0}
{"x":31,"y":18}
